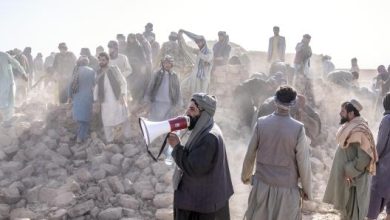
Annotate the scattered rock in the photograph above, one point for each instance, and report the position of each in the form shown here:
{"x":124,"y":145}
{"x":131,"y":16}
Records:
{"x":22,"y":213}
{"x":117,"y":159}
{"x":128,"y":201}
{"x":110,"y":214}
{"x":116,"y":184}
{"x":316,"y":165}
{"x":163,"y":200}
{"x":11,"y":166}
{"x":4,"y":211}
{"x":64,"y":199}
{"x":81,"y":208}
{"x":59,"y":214}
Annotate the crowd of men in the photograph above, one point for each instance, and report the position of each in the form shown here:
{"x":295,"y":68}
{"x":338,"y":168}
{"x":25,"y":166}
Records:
{"x":135,"y":73}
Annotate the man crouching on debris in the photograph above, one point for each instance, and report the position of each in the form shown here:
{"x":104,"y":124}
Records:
{"x":282,"y":157}
{"x":201,"y":179}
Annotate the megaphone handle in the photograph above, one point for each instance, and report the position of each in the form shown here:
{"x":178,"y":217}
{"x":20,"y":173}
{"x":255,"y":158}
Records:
{"x":163,"y":146}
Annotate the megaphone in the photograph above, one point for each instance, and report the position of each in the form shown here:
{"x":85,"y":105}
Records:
{"x":151,"y":130}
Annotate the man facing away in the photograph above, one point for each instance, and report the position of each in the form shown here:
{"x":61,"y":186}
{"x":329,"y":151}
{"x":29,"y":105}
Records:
{"x":81,"y":96}
{"x":276,"y":47}
{"x":93,"y":62}
{"x":280,"y":151}
{"x":380,"y":188}
{"x":64,"y":63}
{"x":201,"y":179}
{"x":111,"y":92}
{"x":353,"y":164}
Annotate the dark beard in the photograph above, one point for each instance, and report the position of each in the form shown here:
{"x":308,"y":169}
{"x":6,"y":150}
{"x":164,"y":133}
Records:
{"x":343,"y":120}
{"x":193,"y":121}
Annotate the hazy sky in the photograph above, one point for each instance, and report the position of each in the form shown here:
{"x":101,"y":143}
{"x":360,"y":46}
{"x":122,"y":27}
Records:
{"x":341,"y":28}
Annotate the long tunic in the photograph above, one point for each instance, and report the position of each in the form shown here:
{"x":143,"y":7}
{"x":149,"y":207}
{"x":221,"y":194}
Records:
{"x":380,"y":182}
{"x":352,"y":200}
{"x":206,"y":185}
{"x":162,"y":108}
{"x":221,"y":49}
{"x":155,"y":50}
{"x":83,"y":99}
{"x":123,"y":64}
{"x":7,"y":82}
{"x":113,"y":112}
{"x":276,"y":48}
{"x":277,"y":200}
{"x":302,"y":58}
{"x":38,"y":67}
{"x":193,"y":83}
{"x":49,"y":61}
{"x":202,"y":85}
{"x":64,"y":64}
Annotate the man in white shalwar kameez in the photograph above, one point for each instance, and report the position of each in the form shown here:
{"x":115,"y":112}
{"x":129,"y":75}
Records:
{"x":111,"y":92}
{"x":279,"y":149}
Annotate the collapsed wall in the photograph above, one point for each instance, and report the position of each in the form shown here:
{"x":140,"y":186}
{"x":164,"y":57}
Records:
{"x":44,"y":174}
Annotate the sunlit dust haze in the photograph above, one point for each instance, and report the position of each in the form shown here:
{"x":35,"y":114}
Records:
{"x":342,"y":29}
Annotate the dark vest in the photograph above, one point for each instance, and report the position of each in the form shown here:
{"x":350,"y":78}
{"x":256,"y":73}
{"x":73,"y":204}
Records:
{"x":210,"y":192}
{"x":276,"y":163}
{"x":112,"y":74}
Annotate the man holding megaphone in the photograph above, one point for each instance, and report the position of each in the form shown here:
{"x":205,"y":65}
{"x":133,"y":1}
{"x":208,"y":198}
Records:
{"x":201,"y":180}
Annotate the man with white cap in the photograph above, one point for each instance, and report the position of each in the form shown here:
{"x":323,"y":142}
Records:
{"x":354,"y":163}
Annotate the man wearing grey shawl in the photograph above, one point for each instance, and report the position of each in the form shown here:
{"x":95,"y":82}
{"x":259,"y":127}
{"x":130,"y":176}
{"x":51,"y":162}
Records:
{"x":163,"y":94}
{"x":280,"y":151}
{"x":201,"y":179}
{"x":199,"y":79}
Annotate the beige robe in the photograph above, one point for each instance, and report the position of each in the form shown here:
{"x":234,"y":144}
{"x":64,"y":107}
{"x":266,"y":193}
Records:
{"x":123,"y":64}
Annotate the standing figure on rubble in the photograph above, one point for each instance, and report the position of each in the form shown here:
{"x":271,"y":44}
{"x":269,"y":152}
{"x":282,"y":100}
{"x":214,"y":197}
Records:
{"x":111,"y":94}
{"x":221,"y":49}
{"x":63,"y":65}
{"x":276,"y":47}
{"x":7,"y":86}
{"x":199,"y":80}
{"x":81,"y":96}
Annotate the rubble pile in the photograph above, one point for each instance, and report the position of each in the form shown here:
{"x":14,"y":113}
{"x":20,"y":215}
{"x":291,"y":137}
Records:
{"x":44,"y":174}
